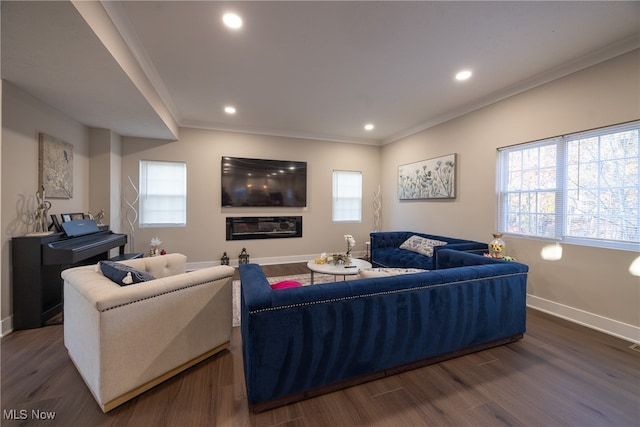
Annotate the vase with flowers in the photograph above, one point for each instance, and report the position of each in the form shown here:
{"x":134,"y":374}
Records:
{"x":496,"y":246}
{"x":351,"y":243}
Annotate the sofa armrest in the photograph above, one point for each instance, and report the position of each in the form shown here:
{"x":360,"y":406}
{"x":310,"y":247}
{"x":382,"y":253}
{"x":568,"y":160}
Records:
{"x":256,"y":292}
{"x":465,"y":246}
{"x":453,"y":258}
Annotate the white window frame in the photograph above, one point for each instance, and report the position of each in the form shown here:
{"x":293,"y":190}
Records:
{"x":551,"y":200}
{"x":346,"y":196}
{"x":163,"y":193}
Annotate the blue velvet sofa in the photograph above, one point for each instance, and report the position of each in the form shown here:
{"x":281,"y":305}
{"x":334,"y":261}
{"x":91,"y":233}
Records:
{"x":386,"y":252}
{"x":305,"y":341}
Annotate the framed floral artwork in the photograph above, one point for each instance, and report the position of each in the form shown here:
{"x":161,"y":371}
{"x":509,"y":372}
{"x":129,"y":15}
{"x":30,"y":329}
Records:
{"x":55,"y":167}
{"x":428,"y":179}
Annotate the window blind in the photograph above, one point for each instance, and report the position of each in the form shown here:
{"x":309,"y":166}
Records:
{"x":163,"y":193}
{"x":347,"y":196}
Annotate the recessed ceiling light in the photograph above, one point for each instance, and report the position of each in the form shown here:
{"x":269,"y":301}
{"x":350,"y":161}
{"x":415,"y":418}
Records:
{"x":368,"y":126}
{"x":463,"y":75}
{"x":232,"y":20}
{"x":230,"y":110}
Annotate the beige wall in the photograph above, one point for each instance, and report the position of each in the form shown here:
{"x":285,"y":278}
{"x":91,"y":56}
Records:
{"x":23,"y":117}
{"x":104,"y":177}
{"x":203,"y":239}
{"x":589,"y":285}
{"x":105,"y":174}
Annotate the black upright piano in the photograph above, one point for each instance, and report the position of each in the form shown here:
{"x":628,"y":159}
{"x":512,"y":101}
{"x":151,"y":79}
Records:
{"x":38,"y":261}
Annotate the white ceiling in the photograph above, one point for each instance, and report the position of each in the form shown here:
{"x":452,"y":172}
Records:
{"x":304,"y":69}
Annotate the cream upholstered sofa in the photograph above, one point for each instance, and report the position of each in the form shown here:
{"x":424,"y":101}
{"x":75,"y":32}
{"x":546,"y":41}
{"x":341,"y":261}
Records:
{"x":126,"y":339}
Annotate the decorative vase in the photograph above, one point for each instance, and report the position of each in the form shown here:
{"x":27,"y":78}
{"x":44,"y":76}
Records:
{"x":496,"y":246}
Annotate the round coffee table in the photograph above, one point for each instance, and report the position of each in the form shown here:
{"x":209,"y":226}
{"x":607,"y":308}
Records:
{"x":338,"y":270}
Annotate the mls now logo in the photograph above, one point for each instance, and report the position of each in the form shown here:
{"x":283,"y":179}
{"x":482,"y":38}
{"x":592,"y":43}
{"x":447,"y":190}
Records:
{"x":23,"y":414}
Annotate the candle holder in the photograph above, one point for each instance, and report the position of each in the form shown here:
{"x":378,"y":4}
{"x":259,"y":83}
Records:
{"x":243,"y":258}
{"x":224,"y":260}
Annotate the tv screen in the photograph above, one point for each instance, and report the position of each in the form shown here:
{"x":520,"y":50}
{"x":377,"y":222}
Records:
{"x":261,"y":182}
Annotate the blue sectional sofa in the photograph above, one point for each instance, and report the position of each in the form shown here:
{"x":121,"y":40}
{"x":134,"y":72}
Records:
{"x":386,"y":251}
{"x":304,"y":341}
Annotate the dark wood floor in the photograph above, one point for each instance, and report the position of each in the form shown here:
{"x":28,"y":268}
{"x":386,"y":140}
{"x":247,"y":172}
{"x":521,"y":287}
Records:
{"x":560,"y":374}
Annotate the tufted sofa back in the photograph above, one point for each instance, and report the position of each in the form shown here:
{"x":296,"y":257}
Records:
{"x":160,"y":266}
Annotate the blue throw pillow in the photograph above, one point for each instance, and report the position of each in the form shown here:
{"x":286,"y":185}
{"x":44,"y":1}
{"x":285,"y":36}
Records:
{"x":122,"y":274}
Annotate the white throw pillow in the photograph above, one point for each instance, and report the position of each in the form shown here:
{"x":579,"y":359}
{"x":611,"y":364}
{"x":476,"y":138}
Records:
{"x":421,"y":245}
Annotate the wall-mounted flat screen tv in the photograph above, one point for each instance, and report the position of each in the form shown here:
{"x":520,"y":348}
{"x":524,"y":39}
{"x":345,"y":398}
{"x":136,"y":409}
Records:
{"x":261,"y":182}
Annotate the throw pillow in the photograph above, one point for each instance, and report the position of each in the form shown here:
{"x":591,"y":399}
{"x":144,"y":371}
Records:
{"x":385,"y":272}
{"x":122,"y":274}
{"x":421,"y":245}
{"x":286,"y":284}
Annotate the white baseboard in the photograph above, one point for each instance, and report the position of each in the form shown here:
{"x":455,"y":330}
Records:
{"x":603,"y":324}
{"x":6,"y":326}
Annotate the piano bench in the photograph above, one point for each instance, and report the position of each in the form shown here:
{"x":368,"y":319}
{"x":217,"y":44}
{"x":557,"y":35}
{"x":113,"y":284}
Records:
{"x":125,"y":257}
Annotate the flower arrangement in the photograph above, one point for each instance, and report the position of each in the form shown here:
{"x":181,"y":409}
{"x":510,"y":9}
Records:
{"x":338,"y":258}
{"x":333,"y":258}
{"x":351,"y":243}
{"x":496,"y":246}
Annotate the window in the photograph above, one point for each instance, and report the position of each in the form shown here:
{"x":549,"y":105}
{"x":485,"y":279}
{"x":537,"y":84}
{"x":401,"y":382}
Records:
{"x":347,"y":196}
{"x":580,"y":188}
{"x":163,"y":193}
